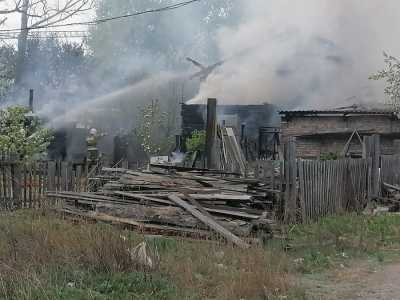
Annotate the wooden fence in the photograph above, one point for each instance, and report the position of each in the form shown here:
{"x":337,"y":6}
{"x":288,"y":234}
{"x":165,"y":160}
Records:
{"x":390,"y":169}
{"x":23,"y":185}
{"x":314,"y":188}
{"x":303,"y":190}
{"x":329,"y":187}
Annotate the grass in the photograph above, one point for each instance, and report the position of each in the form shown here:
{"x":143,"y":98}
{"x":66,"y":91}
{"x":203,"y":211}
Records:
{"x":43,"y":256}
{"x":336,"y":241}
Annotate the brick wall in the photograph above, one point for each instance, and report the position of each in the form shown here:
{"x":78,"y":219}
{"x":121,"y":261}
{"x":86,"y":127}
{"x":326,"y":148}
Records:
{"x":323,"y":134}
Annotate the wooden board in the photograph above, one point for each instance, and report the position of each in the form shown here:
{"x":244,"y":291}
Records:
{"x":209,"y":222}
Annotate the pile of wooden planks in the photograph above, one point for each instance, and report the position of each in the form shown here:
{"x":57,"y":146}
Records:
{"x":167,"y":201}
{"x":391,"y":198}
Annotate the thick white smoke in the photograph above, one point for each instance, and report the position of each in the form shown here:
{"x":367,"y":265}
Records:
{"x":305,"y":53}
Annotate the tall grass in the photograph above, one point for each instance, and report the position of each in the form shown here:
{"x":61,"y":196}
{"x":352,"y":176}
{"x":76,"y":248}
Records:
{"x":336,"y":240}
{"x":43,"y":256}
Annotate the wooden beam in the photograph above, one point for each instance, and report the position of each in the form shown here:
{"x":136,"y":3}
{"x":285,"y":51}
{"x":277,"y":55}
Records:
{"x":138,"y":225}
{"x":210,"y":222}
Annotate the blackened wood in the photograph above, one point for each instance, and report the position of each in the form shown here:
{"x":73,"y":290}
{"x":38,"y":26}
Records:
{"x":211,"y":130}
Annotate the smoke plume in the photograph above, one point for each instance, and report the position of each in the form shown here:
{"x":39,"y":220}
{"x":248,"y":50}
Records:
{"x":305,"y":53}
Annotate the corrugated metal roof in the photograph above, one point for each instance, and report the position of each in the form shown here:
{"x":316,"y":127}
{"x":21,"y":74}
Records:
{"x":336,"y":112}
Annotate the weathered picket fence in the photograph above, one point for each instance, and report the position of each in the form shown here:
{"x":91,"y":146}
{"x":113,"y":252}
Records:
{"x":390,"y":169}
{"x":315,"y":188}
{"x":23,"y":184}
{"x":329,"y":187}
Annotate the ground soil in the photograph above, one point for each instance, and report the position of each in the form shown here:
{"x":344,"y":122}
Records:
{"x":362,"y":280}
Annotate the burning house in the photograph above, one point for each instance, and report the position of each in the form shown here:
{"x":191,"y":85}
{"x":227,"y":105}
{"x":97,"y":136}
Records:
{"x":339,"y":132}
{"x":255,"y":126}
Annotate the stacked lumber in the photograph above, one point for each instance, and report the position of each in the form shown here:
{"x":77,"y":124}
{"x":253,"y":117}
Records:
{"x":392,"y":197}
{"x":195,"y":203}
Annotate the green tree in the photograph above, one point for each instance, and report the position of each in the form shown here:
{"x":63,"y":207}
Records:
{"x":21,"y":133}
{"x":7,"y":69}
{"x":197,"y":141}
{"x":391,"y":74}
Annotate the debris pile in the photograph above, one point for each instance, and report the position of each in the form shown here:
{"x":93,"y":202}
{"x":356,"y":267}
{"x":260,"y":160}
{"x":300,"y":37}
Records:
{"x":392,"y":199}
{"x":178,"y":201}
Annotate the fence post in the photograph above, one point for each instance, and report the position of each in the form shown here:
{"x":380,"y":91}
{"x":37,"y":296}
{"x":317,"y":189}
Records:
{"x":396,"y":147}
{"x":16,"y":184}
{"x":211,"y":132}
{"x":372,"y":152}
{"x":290,"y":181}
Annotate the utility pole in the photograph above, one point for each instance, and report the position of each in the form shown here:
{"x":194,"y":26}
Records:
{"x":22,"y":42}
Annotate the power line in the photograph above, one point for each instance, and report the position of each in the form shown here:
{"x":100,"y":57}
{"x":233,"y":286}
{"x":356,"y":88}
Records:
{"x":104,"y":20}
{"x":45,"y":35}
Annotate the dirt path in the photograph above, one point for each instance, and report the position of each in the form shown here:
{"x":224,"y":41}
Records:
{"x":363,"y":281}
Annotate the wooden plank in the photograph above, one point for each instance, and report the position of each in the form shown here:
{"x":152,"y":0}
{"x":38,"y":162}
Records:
{"x":8,"y":186}
{"x":78,"y":181}
{"x":290,"y":178}
{"x":139,"y":225}
{"x":40,"y":187}
{"x":319,"y":187}
{"x":143,"y":198}
{"x":375,"y":165}
{"x":232,"y":213}
{"x":51,"y":176}
{"x":210,"y":222}
{"x":315,"y":189}
{"x":17,"y":185}
{"x":3,"y":187}
{"x":325,"y":183}
{"x":70,"y":177}
{"x":308,"y":191}
{"x":328,"y":189}
{"x":302,"y":192}
{"x":30,"y":185}
{"x":35,"y":185}
{"x":24,"y":184}
{"x":64,"y":176}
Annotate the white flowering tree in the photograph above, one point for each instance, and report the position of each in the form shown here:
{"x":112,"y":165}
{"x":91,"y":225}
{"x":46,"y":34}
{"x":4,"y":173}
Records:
{"x":22,"y":134}
{"x":152,"y":130}
{"x":391,"y":74}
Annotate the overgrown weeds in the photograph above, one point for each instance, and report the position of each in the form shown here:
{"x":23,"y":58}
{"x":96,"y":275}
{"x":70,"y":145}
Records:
{"x":43,"y":256}
{"x":334,"y":241}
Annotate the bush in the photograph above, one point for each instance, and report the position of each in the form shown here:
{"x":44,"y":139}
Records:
{"x":22,"y":134}
{"x":197,"y":141}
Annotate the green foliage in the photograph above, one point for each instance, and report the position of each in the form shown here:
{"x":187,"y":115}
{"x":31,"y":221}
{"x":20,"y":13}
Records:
{"x":391,"y":74}
{"x":7,"y":68}
{"x":329,"y":156}
{"x":332,"y":241}
{"x":21,"y":134}
{"x":197,"y":141}
{"x":63,"y":282}
{"x":152,"y":130}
